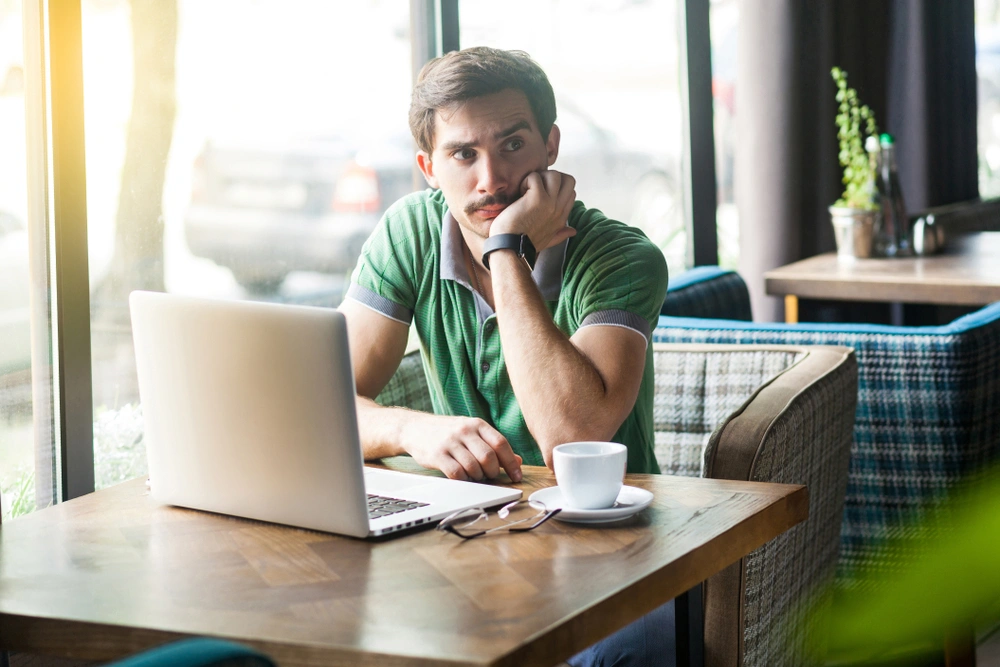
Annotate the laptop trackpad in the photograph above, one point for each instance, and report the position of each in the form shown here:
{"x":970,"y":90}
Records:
{"x":386,"y":482}
{"x":433,"y":489}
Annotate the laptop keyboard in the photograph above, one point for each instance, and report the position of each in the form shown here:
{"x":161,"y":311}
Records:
{"x":379,"y":506}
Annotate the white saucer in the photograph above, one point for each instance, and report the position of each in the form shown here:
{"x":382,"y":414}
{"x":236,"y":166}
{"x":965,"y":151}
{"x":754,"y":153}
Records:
{"x":631,"y":500}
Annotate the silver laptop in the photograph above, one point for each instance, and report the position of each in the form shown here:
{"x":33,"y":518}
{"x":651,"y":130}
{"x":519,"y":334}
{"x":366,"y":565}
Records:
{"x":250,"y":410}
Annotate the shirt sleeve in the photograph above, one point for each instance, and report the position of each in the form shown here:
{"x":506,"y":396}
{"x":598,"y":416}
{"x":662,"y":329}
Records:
{"x":384,"y":279}
{"x":622,"y":279}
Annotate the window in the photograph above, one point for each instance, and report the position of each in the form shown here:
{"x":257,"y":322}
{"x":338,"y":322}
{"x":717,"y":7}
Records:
{"x":27,"y":453}
{"x":250,"y":162}
{"x":724,"y":15}
{"x":988,"y":77}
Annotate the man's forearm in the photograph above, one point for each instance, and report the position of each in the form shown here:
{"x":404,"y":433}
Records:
{"x":558,"y":389}
{"x":380,"y":429}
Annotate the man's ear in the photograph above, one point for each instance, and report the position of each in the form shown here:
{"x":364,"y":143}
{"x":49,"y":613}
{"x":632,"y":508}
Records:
{"x":552,"y":145}
{"x":427,"y":168}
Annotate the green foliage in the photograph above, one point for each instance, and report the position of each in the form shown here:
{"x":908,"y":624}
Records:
{"x":119,"y":455}
{"x":855,"y":121}
{"x":119,"y":448}
{"x":21,"y":494}
{"x":948,"y":584}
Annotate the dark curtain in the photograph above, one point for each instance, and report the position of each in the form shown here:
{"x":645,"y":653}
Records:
{"x":911,"y":61}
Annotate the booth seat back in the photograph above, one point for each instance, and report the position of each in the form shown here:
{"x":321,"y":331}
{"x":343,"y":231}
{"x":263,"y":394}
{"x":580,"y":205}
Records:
{"x":928,"y":414}
{"x":697,"y":392}
{"x":408,"y":386}
{"x":708,"y":291}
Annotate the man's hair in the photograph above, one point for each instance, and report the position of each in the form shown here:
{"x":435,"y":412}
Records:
{"x":460,"y":76}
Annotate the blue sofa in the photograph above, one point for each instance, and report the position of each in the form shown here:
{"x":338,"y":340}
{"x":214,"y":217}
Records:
{"x":928,"y":411}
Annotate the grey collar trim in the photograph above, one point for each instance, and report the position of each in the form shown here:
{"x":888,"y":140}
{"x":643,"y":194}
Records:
{"x":547,"y":273}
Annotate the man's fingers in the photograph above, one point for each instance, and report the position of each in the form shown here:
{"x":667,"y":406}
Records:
{"x":509,"y":461}
{"x":451,"y":468}
{"x":559,"y":237}
{"x":552,"y":181}
{"x":485,"y":455}
{"x":567,"y":186}
{"x":532,"y":181}
{"x":468,"y":462}
{"x":567,"y":193}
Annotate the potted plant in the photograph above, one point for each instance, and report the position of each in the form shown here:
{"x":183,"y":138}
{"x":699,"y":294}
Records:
{"x":855,"y":214}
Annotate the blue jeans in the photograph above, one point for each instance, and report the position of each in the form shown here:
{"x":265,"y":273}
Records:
{"x":644,"y":643}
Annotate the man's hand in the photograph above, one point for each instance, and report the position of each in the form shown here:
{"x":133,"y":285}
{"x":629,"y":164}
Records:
{"x":546,"y":200}
{"x":461,"y":447}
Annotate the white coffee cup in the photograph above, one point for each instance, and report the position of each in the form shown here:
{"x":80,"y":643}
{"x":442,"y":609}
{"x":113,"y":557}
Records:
{"x":589,"y":474}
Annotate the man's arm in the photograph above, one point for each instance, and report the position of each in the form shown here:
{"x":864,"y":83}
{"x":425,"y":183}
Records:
{"x":569,"y":389}
{"x":460,"y":447}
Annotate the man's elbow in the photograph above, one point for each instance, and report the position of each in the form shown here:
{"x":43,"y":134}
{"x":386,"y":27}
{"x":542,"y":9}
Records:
{"x":549,"y":441}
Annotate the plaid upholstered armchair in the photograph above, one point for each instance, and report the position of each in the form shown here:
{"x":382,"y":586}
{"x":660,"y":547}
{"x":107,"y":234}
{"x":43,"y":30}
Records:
{"x":770,"y":414}
{"x":928,"y":411}
{"x":764,"y":413}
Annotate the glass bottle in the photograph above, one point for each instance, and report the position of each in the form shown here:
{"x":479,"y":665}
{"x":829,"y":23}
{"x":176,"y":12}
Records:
{"x":874,"y":193}
{"x":895,"y":239}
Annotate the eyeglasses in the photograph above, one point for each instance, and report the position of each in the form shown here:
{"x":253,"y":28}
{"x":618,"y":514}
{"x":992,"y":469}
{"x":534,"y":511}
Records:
{"x":517,"y":517}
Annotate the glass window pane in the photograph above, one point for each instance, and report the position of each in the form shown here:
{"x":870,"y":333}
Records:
{"x":724,"y":17}
{"x":988,"y":77}
{"x":236,"y":150}
{"x":618,"y":98}
{"x":26,"y":445}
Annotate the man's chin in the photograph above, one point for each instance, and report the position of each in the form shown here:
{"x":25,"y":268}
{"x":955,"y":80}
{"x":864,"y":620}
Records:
{"x":475,"y":224}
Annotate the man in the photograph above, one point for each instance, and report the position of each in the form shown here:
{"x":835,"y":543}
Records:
{"x":518,"y":360}
{"x":520,"y":355}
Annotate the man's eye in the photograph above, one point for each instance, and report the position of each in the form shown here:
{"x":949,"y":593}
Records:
{"x":514,"y":144}
{"x":463,"y":154}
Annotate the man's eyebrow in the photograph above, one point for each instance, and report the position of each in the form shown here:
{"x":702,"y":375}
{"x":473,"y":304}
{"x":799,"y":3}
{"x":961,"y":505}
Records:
{"x":520,"y":125}
{"x":453,"y":146}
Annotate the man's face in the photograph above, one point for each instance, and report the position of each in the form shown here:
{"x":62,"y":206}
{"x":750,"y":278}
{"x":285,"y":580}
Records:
{"x":483,"y":149}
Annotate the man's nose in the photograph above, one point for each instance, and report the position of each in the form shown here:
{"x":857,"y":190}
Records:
{"x":493,"y":176}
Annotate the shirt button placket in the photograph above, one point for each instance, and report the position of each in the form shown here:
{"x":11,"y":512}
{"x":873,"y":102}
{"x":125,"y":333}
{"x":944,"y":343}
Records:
{"x":488,"y":327}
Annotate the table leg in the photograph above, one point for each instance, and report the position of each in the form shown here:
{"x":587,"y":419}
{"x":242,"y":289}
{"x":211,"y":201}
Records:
{"x":689,"y":617}
{"x":791,"y":309}
{"x":960,"y":649}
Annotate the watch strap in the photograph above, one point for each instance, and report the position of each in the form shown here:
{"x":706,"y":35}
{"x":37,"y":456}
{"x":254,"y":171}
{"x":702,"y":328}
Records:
{"x":519,"y":243}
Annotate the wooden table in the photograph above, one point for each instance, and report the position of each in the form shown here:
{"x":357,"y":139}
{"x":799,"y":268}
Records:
{"x":966,"y":273}
{"x":113,"y":573}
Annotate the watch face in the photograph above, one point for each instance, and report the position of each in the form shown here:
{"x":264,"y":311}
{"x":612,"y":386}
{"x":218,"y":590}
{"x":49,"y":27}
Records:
{"x":527,"y":250}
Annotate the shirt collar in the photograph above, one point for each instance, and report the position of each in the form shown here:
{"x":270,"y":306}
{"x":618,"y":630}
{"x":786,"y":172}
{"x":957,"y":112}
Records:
{"x":547,"y":273}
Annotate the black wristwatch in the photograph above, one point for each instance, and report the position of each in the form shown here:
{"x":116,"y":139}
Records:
{"x":519,"y":243}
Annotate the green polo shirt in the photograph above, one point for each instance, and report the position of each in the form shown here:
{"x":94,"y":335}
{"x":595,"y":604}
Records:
{"x":412,"y":269}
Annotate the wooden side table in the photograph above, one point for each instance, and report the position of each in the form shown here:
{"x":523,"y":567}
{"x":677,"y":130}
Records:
{"x":967,"y":273}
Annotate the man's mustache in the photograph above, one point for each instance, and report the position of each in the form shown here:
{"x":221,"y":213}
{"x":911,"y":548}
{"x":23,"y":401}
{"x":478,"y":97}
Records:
{"x":492,"y":200}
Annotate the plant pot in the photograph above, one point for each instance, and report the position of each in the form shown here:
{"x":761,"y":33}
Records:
{"x":854,"y":230}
